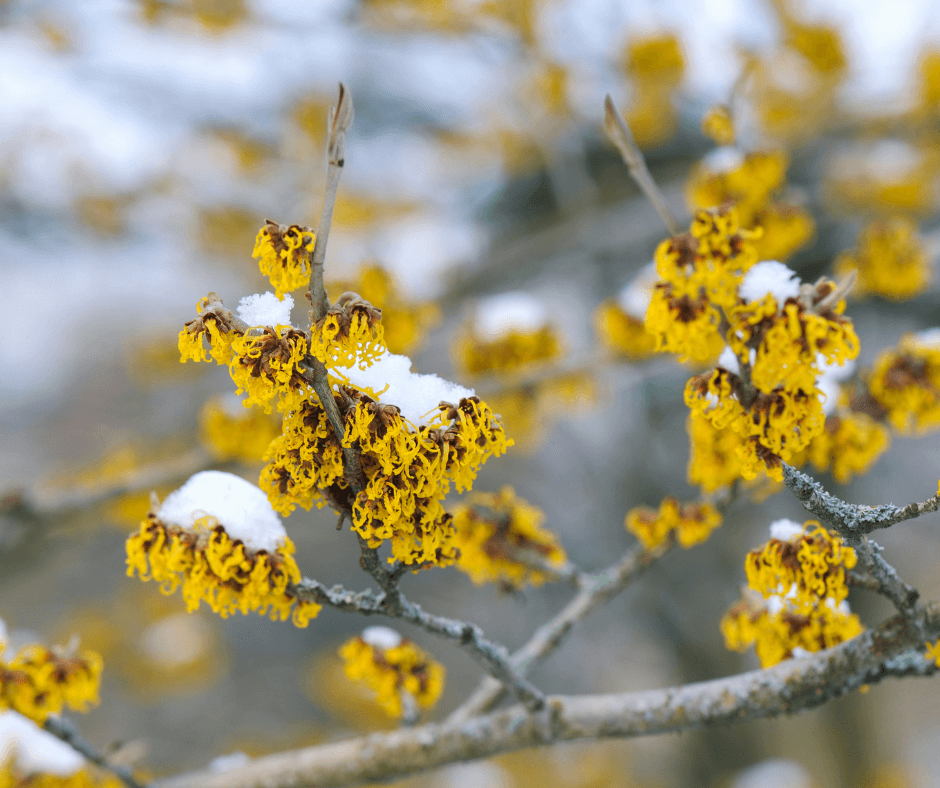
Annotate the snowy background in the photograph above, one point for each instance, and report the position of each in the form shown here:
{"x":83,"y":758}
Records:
{"x":141,"y":146}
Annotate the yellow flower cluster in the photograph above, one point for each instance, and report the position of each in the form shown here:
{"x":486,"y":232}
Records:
{"x":235,"y":433}
{"x":890,"y":259}
{"x":283,"y":255}
{"x":10,"y":777}
{"x":623,"y":333}
{"x":211,"y":567}
{"x":212,"y":327}
{"x":39,"y":681}
{"x":779,"y":412}
{"x":391,"y":671}
{"x":806,"y":569}
{"x":305,"y":463}
{"x":526,"y":411}
{"x":789,"y":339}
{"x":269,"y":365}
{"x":750,"y":186}
{"x":405,"y":323}
{"x":905,"y":381}
{"x":849,"y":445}
{"x":655,"y":64}
{"x":501,"y":544}
{"x":715,"y":454}
{"x":718,"y":125}
{"x":700,"y":272}
{"x":409,"y":471}
{"x":783,"y":229}
{"x":778,"y":634}
{"x":691,"y":522}
{"x":349,"y":333}
{"x":509,"y":352}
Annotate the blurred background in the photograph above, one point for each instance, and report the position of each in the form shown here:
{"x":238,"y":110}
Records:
{"x":142,"y":145}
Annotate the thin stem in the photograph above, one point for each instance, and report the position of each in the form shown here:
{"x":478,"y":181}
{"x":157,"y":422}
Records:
{"x":341,"y":118}
{"x":62,"y":729}
{"x":596,"y":591}
{"x":619,"y":133}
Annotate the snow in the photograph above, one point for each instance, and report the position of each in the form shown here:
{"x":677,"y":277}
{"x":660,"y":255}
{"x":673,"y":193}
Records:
{"x":729,"y":361}
{"x":775,"y":604}
{"x":515,"y":311}
{"x":381,"y":637}
{"x":417,"y":396}
{"x":229,"y":763}
{"x":774,"y":773}
{"x":929,"y":338}
{"x":785,"y":530}
{"x":724,"y":159}
{"x":241,"y":507}
{"x":3,"y":634}
{"x":772,"y":277}
{"x":635,"y":298}
{"x":829,"y":382}
{"x":265,"y":309}
{"x":31,"y":750}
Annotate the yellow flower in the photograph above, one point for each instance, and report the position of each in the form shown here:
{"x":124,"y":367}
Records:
{"x":849,"y":444}
{"x":304,"y":463}
{"x":932,"y":652}
{"x":747,"y":186}
{"x":656,"y":58}
{"x":684,"y":324}
{"x":268,"y":365}
{"x":235,"y":433}
{"x":496,"y":545}
{"x":807,"y":569}
{"x":819,"y":44}
{"x":776,"y":634}
{"x":790,"y":337}
{"x":391,"y":669}
{"x":623,"y":333}
{"x":211,"y":567}
{"x":905,"y":381}
{"x":349,"y":333}
{"x":718,"y":125}
{"x":714,"y":460}
{"x":509,"y":352}
{"x":218,"y":332}
{"x":692,"y":523}
{"x":785,"y":229}
{"x":39,"y":681}
{"x":283,"y":255}
{"x":890,"y":259}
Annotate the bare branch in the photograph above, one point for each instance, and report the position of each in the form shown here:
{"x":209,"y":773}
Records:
{"x":341,"y":118}
{"x":792,"y":686}
{"x":596,"y":590}
{"x":619,"y":133}
{"x":490,"y":655}
{"x":850,"y":520}
{"x":889,"y":584}
{"x":62,"y":729}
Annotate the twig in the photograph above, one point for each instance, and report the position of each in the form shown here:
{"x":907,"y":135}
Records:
{"x":596,"y":591}
{"x":850,"y":520}
{"x":619,"y":133}
{"x":490,"y":655}
{"x":853,"y":522}
{"x":792,"y":686}
{"x":341,"y":118}
{"x":62,"y":729}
